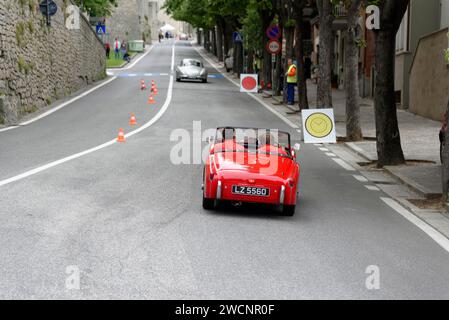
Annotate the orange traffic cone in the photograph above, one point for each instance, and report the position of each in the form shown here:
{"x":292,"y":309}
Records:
{"x":132,"y":120}
{"x":151,"y":99}
{"x":142,"y":85}
{"x":121,"y":136}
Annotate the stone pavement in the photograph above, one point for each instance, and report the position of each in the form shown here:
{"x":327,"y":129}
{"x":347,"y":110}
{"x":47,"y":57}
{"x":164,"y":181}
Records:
{"x":419,"y":137}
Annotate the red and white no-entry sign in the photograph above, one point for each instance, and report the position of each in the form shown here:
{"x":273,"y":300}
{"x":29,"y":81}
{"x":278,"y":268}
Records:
{"x":274,"y":46}
{"x":248,"y":83}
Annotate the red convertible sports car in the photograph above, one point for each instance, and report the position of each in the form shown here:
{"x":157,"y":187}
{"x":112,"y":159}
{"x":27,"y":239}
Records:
{"x":251,"y":165}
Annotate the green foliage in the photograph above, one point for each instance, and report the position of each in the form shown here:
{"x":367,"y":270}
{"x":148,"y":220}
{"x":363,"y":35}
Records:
{"x":98,"y":8}
{"x":24,"y":66}
{"x":30,"y":26}
{"x":20,"y":34}
{"x":252,"y":26}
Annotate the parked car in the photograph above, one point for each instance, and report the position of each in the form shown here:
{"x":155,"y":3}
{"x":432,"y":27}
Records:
{"x":183,"y":36}
{"x":229,"y":60}
{"x":251,"y":165}
{"x":191,"y":69}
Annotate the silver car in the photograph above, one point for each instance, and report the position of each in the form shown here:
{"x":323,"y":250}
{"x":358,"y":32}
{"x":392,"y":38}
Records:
{"x":191,"y":69}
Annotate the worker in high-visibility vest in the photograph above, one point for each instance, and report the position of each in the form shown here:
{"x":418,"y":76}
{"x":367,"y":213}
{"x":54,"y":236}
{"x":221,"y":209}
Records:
{"x":291,"y":81}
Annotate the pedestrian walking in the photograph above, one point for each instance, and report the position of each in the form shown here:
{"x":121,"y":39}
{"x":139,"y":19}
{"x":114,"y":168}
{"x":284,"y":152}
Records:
{"x":292,"y":80}
{"x":117,"y":49}
{"x":108,"y":49}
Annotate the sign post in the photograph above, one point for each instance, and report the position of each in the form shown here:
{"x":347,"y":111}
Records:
{"x":319,"y":126}
{"x":273,"y":47}
{"x":48,"y":8}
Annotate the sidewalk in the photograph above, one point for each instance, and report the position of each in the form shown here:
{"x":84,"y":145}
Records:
{"x":419,"y":138}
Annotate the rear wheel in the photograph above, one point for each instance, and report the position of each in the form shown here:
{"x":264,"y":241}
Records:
{"x":288,"y":211}
{"x":208,"y":204}
{"x":178,"y":79}
{"x":204,"y":80}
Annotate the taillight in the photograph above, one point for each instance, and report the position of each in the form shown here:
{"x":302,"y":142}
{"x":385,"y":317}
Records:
{"x":291,"y":182}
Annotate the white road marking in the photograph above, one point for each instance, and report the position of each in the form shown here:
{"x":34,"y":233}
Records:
{"x":343,"y":164}
{"x":430,"y":231}
{"x":317,"y":144}
{"x":330,"y":154}
{"x":287,"y":121}
{"x":324,"y":149}
{"x":360,"y":178}
{"x":8,"y":128}
{"x":108,"y":72}
{"x":173,"y":58}
{"x":372,"y":188}
{"x":62,"y":105}
{"x":99,"y":147}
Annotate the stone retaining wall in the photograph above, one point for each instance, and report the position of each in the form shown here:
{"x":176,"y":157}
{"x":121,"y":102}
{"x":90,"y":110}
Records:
{"x":40,"y":64}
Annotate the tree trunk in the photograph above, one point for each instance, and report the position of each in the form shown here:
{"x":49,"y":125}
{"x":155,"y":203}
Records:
{"x":214,"y":41}
{"x":267,"y":18}
{"x":324,"y":88}
{"x":250,"y":61}
{"x":238,"y":62}
{"x":353,"y":128}
{"x":219,"y":36}
{"x":302,"y":81}
{"x":445,"y":157}
{"x":289,"y":34}
{"x":198,"y":36}
{"x":389,"y":150}
{"x":206,"y":40}
{"x":277,"y":85}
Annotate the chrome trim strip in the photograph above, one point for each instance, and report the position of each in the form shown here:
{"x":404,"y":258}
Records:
{"x":282,"y":195}
{"x":219,"y":190}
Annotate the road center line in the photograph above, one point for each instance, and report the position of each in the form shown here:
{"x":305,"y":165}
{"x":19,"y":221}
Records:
{"x":430,"y":231}
{"x":101,"y":146}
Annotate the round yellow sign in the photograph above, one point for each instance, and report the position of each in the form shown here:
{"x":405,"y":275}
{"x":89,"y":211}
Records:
{"x":319,"y":125}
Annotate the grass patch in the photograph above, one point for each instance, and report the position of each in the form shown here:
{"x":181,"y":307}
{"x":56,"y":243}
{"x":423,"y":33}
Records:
{"x":114,"y":63}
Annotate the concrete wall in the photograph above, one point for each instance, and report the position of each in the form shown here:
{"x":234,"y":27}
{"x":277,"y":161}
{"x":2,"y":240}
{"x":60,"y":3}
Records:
{"x":429,"y":77}
{"x":39,"y":64}
{"x":444,"y":14}
{"x":424,"y":19}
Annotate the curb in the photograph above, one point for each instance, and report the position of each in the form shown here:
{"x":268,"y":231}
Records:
{"x":421,"y":190}
{"x":359,"y":151}
{"x":414,"y":186}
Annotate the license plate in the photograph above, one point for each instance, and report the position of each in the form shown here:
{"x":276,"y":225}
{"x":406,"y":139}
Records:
{"x":251,"y":191}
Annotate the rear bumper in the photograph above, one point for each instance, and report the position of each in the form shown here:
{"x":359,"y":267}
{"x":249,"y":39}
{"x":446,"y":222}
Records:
{"x":279,"y":194}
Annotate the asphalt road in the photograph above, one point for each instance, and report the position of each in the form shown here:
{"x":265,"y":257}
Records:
{"x":132,"y":223}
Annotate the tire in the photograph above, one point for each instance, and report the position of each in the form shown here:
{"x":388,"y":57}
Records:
{"x":204,"y":80}
{"x":288,"y":211}
{"x":208,"y":204}
{"x":178,"y":80}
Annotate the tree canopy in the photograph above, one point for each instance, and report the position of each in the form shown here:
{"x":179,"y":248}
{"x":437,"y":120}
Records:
{"x":97,"y":8}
